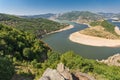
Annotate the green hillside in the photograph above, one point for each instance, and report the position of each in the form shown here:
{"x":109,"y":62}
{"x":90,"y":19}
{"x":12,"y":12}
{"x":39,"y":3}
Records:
{"x":31,"y":57}
{"x":21,"y":45}
{"x":103,"y":29}
{"x":80,"y":16}
{"x":46,"y":16}
{"x":37,"y":26}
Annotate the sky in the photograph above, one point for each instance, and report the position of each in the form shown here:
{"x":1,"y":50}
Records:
{"x":34,"y":7}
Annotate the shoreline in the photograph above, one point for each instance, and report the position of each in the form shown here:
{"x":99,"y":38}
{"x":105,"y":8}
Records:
{"x":117,"y":30}
{"x":63,"y":29}
{"x":93,"y":41}
{"x":87,"y":25}
{"x":83,"y":23}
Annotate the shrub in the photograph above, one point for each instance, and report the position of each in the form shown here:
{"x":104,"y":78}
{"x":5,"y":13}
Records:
{"x":22,"y":45}
{"x":95,"y":23}
{"x":6,"y":69}
{"x":108,"y":26}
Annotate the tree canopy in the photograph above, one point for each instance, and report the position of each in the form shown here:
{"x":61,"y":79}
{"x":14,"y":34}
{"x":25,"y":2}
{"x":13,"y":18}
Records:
{"x":38,"y":26}
{"x":21,"y":45}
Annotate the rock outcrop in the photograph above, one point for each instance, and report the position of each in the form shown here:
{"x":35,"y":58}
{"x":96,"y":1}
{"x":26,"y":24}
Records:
{"x":52,"y":74}
{"x":63,"y":73}
{"x":83,"y":76}
{"x":112,"y":60}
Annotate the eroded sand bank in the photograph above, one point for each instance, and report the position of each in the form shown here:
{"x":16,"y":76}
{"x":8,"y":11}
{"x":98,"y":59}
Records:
{"x":93,"y":41}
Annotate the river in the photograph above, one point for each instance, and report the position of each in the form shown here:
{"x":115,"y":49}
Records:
{"x":60,"y":42}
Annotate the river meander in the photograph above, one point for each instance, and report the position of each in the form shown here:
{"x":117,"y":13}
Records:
{"x":60,"y":42}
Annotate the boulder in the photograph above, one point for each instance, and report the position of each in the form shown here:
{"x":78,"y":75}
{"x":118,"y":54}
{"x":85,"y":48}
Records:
{"x":61,"y":73}
{"x":112,"y":60}
{"x":51,"y":74}
{"x":64,"y":71}
{"x":60,"y":67}
{"x":83,"y":76}
{"x":44,"y":78}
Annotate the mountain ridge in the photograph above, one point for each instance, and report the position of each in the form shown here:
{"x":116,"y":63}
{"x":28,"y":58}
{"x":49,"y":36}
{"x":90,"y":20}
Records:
{"x":80,"y":16}
{"x":38,"y":26}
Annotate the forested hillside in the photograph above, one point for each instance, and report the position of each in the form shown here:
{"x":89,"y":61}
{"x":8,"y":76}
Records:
{"x":80,"y":16}
{"x":46,"y":16}
{"x":31,"y":57}
{"x":37,"y":26}
{"x":21,"y":45}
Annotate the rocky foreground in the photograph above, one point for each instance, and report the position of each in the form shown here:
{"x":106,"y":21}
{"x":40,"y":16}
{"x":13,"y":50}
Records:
{"x":63,"y":73}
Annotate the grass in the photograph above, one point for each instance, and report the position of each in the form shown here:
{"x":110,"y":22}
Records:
{"x":103,"y":30}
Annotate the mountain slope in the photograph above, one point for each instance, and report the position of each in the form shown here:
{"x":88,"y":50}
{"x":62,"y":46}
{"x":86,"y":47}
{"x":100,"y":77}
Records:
{"x":39,"y":26}
{"x":107,"y":15}
{"x":46,"y":16}
{"x":80,"y":16}
{"x":21,"y":45}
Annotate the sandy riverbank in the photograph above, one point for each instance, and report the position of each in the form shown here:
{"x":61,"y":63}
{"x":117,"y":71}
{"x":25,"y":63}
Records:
{"x":63,"y":29}
{"x":93,"y":41}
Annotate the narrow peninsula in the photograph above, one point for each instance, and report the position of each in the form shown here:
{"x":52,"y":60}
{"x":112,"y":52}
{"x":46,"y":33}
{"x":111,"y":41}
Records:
{"x":101,"y":33}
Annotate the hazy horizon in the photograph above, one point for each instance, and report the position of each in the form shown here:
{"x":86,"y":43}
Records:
{"x":36,"y":7}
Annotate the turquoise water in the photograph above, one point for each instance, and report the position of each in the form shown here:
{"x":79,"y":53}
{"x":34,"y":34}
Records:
{"x":60,"y":42}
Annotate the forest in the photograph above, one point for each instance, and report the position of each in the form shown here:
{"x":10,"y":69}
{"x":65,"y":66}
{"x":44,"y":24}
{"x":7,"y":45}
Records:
{"x":38,"y":26}
{"x":22,"y":54}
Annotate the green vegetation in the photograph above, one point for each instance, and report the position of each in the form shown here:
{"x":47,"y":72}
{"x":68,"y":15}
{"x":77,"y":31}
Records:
{"x":93,"y":67}
{"x":95,"y":23}
{"x":21,"y":45}
{"x":105,"y":24}
{"x":74,"y":15}
{"x":37,"y":26}
{"x":21,"y":48}
{"x":108,"y":26}
{"x":103,"y":29}
{"x":6,"y":69}
{"x":31,"y":57}
{"x":46,"y":16}
{"x":75,"y":62}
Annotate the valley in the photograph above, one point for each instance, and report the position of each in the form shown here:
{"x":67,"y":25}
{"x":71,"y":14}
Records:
{"x":59,"y":40}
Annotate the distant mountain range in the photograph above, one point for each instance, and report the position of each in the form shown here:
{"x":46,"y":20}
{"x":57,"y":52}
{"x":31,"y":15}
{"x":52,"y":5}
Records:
{"x":110,"y":15}
{"x":80,"y":16}
{"x":37,"y":24}
{"x":85,"y":16}
{"x":117,"y":16}
{"x":49,"y":15}
{"x":107,"y":15}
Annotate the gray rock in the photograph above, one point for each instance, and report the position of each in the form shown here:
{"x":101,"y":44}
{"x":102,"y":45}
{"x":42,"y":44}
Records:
{"x":44,"y":78}
{"x":83,"y":76}
{"x":112,"y":60}
{"x":64,"y":71}
{"x":60,"y":67}
{"x":51,"y":74}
